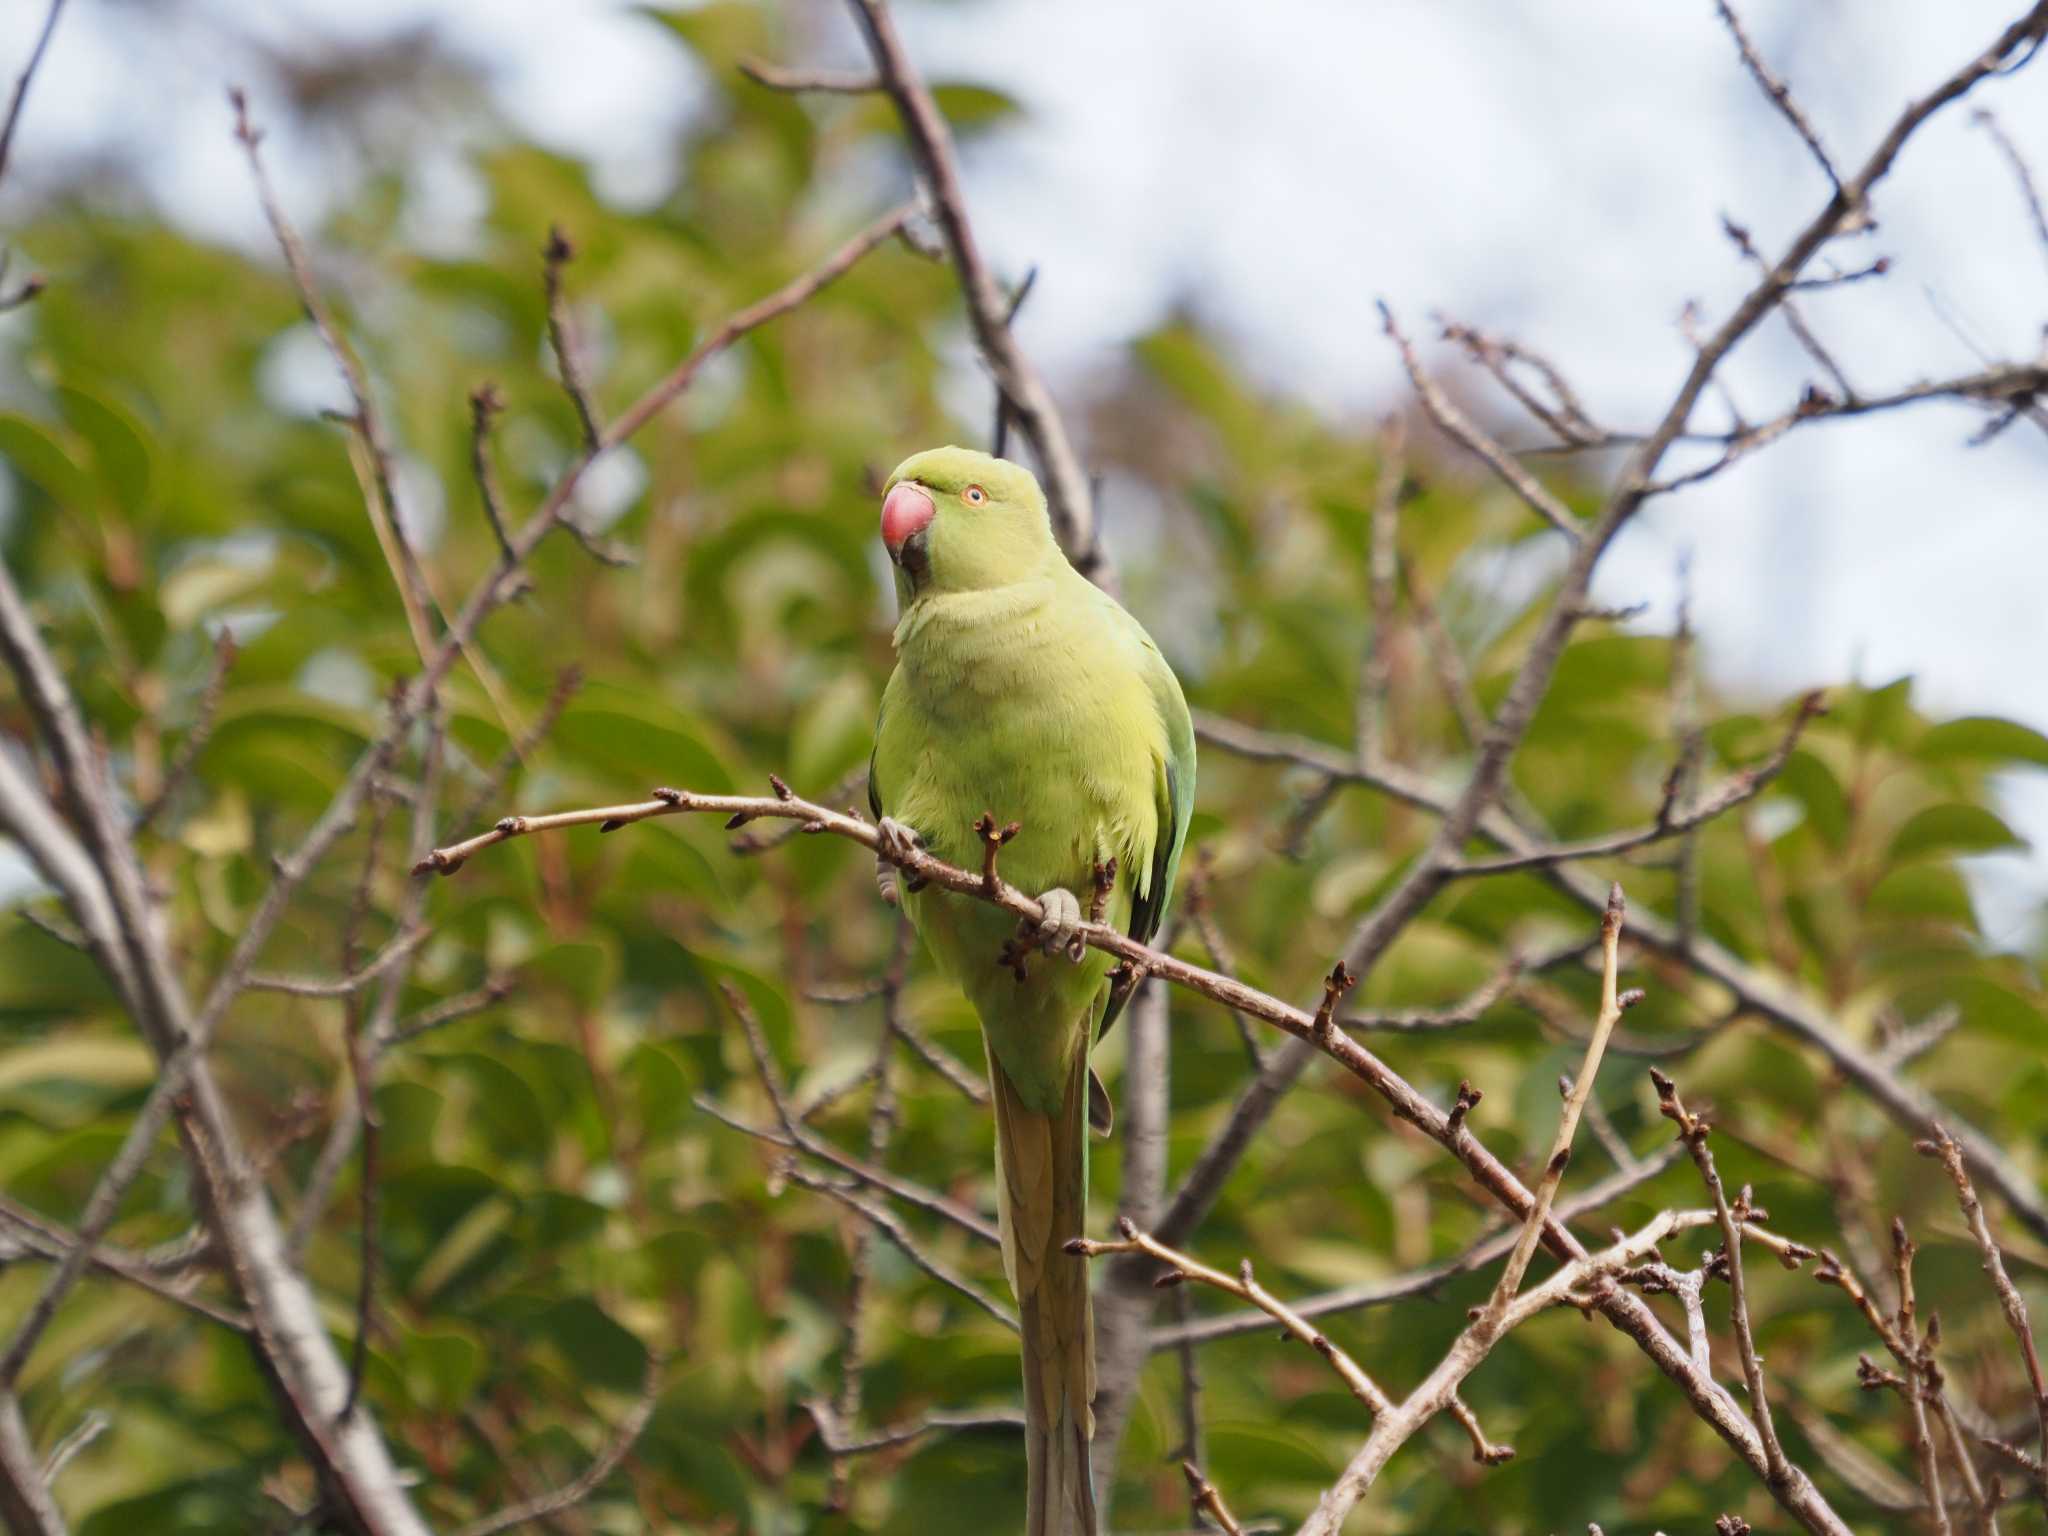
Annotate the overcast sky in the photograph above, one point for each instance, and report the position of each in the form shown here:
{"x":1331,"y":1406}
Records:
{"x":1556,"y":172}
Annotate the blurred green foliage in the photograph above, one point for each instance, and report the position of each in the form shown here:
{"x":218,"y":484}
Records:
{"x":555,"y":1207}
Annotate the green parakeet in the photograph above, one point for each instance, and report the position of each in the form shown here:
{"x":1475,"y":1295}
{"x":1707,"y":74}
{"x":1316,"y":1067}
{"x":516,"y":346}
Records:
{"x":1022,"y":689}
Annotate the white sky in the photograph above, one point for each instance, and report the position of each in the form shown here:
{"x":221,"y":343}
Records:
{"x":1558,"y":173}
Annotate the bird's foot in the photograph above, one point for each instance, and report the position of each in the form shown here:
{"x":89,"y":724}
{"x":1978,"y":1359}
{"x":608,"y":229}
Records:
{"x":1059,"y":930}
{"x":898,"y":842}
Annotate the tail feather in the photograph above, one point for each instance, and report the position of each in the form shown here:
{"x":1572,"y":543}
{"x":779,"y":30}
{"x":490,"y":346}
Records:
{"x":1041,"y":1198}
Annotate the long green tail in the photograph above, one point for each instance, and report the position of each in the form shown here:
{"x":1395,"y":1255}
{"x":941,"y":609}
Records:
{"x":1041,"y":1200}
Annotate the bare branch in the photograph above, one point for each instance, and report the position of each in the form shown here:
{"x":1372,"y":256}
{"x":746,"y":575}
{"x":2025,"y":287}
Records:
{"x":1774,"y":86}
{"x":1461,"y":429}
{"x":387,"y":960}
{"x":1586,"y":1280}
{"x":607,"y":1461}
{"x":1944,"y":1146}
{"x":1566,"y":417}
{"x":484,"y":405}
{"x":1740,"y":787}
{"x":366,"y":423}
{"x":1422,"y":1282}
{"x":87,"y":1430}
{"x":1417,"y":1021}
{"x":1568,"y":1122}
{"x":1692,"y":1129}
{"x":1244,"y":1286}
{"x":197,"y":736}
{"x":461,"y":1006}
{"x":555,"y":256}
{"x":26,"y":1507}
{"x":1207,"y":1501}
{"x":20,"y":97}
{"x":2022,"y":173}
{"x":839,"y":1442}
{"x":1375,"y":677}
{"x":831,"y":82}
{"x":885,"y":1222}
{"x":1068,"y":494}
{"x":49,"y":1240}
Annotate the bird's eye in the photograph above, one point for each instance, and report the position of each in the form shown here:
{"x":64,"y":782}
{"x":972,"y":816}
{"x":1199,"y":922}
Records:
{"x":974,"y":496}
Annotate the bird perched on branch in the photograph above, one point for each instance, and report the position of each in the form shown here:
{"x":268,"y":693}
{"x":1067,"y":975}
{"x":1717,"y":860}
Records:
{"x":1022,"y":690}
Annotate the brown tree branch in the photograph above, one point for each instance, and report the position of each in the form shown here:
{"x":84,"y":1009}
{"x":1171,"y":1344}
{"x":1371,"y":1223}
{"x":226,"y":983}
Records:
{"x":19,"y":98}
{"x":50,"y":1240}
{"x":196,"y":738}
{"x":1461,"y":429}
{"x":387,"y":960}
{"x":1671,"y":821}
{"x":1774,"y":86}
{"x":1627,"y":1312}
{"x":1068,"y":495}
{"x":1984,"y":118}
{"x":1427,"y":1281}
{"x":603,"y":1465}
{"x":1943,"y":1146}
{"x":1692,"y":1130}
{"x":831,"y":82}
{"x":26,"y":1507}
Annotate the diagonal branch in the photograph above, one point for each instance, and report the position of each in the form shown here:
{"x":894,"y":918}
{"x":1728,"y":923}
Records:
{"x":1068,"y":496}
{"x":602,"y":1466}
{"x":1311,"y":1036}
{"x":1773,"y":85}
{"x":1461,"y":429}
{"x":26,"y":1507}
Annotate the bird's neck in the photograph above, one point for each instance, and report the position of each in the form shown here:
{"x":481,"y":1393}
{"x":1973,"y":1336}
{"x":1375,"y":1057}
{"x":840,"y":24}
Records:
{"x":981,"y":642}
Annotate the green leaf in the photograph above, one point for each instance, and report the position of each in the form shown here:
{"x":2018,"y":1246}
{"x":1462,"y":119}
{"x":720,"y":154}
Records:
{"x":443,"y":1365}
{"x":1985,"y":737}
{"x":120,"y":448}
{"x":602,"y":1352}
{"x":1952,"y":829}
{"x":37,"y":454}
{"x":1813,"y":784}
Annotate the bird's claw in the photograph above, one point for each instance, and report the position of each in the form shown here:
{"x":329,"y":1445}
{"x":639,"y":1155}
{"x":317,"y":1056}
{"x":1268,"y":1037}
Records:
{"x":898,"y":842}
{"x":1059,"y":930}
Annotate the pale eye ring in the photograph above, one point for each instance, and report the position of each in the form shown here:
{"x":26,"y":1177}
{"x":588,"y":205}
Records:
{"x":974,"y":496}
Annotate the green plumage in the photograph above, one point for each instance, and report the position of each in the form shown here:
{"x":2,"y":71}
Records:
{"x":1022,"y":689}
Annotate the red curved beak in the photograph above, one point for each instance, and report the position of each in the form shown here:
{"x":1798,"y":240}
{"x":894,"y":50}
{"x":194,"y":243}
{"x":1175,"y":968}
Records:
{"x":906,"y":511}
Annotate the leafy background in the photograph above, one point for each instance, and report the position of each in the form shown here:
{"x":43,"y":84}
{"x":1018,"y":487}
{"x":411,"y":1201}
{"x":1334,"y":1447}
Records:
{"x":555,"y":1205}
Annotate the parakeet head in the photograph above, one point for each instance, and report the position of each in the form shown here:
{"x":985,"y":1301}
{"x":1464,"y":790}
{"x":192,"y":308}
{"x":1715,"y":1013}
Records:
{"x":959,"y":521}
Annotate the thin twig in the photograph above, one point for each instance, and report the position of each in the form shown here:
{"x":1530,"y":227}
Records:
{"x":1375,"y":676}
{"x":20,"y":97}
{"x":2022,"y":172}
{"x":485,"y":404}
{"x":1462,"y":430}
{"x":1611,"y":1006}
{"x":834,"y":82}
{"x":607,"y":1461}
{"x":1672,"y":820}
{"x":1774,"y":86}
{"x":385,"y":515}
{"x":1943,"y":1146}
{"x":399,"y":949}
{"x":197,"y":736}
{"x":49,"y":1240}
{"x":1245,"y":1286}
{"x":839,"y":1442}
{"x":26,"y":1507}
{"x":555,"y":256}
{"x":900,"y":1236}
{"x":1207,"y":1501}
{"x":1069,"y":496}
{"x":1427,"y":1281}
{"x":1693,"y":1130}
